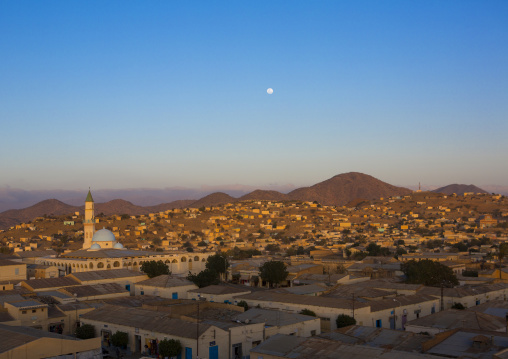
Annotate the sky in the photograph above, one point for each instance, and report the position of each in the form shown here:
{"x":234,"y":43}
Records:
{"x":156,"y":94}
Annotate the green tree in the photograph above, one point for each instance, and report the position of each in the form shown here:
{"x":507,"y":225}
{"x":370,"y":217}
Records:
{"x":154,"y":268}
{"x":170,"y":348}
{"x":86,"y":331}
{"x":272,"y":248}
{"x":273,"y":272}
{"x":244,"y":304}
{"x":120,"y":339}
{"x":429,"y":273}
{"x":218,"y":263}
{"x":204,"y":278}
{"x":458,"y":306}
{"x":344,"y":320}
{"x":308,"y":312}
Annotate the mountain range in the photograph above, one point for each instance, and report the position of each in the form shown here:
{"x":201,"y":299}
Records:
{"x":337,"y":190}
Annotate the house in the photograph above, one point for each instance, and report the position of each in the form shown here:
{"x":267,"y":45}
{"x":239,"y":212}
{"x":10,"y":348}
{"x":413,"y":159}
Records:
{"x":165,"y":286}
{"x":205,"y":338}
{"x":279,"y":322}
{"x":285,"y":346}
{"x":455,"y":318}
{"x":28,"y":343}
{"x":11,"y":272}
{"x":218,"y":293}
{"x":124,"y":277}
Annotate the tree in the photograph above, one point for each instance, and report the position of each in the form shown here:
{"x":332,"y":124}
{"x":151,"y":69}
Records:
{"x":120,"y":339}
{"x":344,"y":320}
{"x":272,"y":248}
{"x":458,"y":306}
{"x":273,"y":272}
{"x":86,"y":331}
{"x":308,"y":312}
{"x":204,"y":278}
{"x":244,"y":304}
{"x":170,"y":348}
{"x":429,"y":273}
{"x":218,"y":263}
{"x":154,"y":268}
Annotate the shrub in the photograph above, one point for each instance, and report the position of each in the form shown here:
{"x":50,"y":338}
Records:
{"x":170,"y":348}
{"x":244,"y":304}
{"x":344,"y":320}
{"x":120,"y":339}
{"x":308,"y":312}
{"x":86,"y":331}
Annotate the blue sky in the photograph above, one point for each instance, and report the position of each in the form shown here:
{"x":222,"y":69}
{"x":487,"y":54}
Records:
{"x":128,"y":94}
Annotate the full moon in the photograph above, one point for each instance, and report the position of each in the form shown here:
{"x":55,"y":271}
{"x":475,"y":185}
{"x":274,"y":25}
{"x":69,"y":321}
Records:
{"x":269,"y":91}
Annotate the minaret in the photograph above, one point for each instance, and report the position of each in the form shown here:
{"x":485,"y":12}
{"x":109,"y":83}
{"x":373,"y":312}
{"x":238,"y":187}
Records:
{"x":89,"y":221}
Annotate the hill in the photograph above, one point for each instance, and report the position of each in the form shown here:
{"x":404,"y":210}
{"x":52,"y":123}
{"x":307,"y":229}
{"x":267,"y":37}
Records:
{"x":213,"y":199}
{"x":345,"y":188}
{"x":48,"y":207}
{"x":459,"y":189}
{"x":338,"y":190}
{"x":261,"y":195}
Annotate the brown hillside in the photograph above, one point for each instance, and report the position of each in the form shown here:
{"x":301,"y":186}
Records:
{"x":213,"y":199}
{"x":346,"y":187}
{"x":261,"y":195}
{"x":118,"y":206}
{"x":48,"y":207}
{"x":459,"y":189}
{"x":183,"y":203}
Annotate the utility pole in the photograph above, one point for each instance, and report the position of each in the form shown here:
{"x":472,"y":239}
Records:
{"x":442,"y":297}
{"x":197,"y":334}
{"x":353,"y":305}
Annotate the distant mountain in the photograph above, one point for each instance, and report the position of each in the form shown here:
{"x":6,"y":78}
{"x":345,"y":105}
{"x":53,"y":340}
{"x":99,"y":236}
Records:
{"x":459,"y":189}
{"x":337,"y":190}
{"x":49,"y":207}
{"x":182,"y":203}
{"x":261,"y":195}
{"x":346,"y":187}
{"x":213,"y":199}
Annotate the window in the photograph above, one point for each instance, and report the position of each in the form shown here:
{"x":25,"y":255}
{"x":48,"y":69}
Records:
{"x":312,"y":333}
{"x":379,"y":324}
{"x":23,"y":312}
{"x":34,"y":310}
{"x":16,"y":271}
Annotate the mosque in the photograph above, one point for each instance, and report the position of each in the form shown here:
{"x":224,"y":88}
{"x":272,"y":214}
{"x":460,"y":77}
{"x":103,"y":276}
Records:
{"x":101,"y":251}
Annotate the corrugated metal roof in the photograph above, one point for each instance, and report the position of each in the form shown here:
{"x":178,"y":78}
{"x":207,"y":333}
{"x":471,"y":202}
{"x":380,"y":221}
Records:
{"x":272,"y":317}
{"x":220,"y":289}
{"x":454,"y":318}
{"x":80,"y":291}
{"x":153,"y":321}
{"x":270,"y":296}
{"x":50,"y":283}
{"x":165,"y":281}
{"x":105,"y":274}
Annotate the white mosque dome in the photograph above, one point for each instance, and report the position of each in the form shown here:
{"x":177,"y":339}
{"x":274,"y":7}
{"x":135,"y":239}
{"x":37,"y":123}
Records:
{"x":103,"y":235}
{"x":95,"y":246}
{"x":118,"y":245}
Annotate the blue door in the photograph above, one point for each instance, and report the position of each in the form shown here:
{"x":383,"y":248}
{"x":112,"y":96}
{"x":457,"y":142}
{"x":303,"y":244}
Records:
{"x":188,"y":353}
{"x":213,"y":352}
{"x":379,"y":324}
{"x":174,"y":295}
{"x":128,"y":287}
